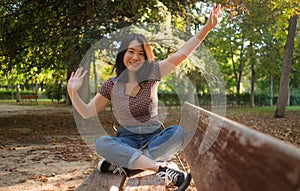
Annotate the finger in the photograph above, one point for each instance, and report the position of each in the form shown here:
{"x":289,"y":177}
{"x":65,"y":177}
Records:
{"x":212,"y":13}
{"x":220,"y":11}
{"x":84,"y":74}
{"x":72,"y":75}
{"x":219,"y":8}
{"x":78,"y":72}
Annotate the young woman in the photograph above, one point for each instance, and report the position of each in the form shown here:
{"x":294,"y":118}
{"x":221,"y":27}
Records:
{"x":140,"y":142}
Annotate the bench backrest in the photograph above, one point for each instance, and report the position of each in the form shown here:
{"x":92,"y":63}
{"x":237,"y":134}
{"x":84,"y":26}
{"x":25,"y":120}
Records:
{"x":236,"y":158}
{"x":29,"y":97}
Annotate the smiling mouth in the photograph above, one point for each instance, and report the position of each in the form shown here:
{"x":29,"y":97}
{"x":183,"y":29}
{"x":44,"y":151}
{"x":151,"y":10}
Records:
{"x":134,"y":63}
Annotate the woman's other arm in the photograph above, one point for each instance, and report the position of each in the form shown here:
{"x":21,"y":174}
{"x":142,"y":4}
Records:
{"x":96,"y":105}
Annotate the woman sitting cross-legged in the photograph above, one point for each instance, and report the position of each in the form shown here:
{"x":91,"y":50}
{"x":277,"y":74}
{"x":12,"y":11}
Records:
{"x":140,"y":143}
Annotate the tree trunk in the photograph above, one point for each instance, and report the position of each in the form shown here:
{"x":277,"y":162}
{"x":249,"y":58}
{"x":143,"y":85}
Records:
{"x":286,"y":67}
{"x":289,"y":95}
{"x":95,"y":72}
{"x":238,"y":72}
{"x":36,"y":89}
{"x":75,"y":54}
{"x":271,"y":89}
{"x":191,"y":95}
{"x":252,"y":96}
{"x":72,"y":62}
{"x":252,"y":62}
{"x":18,"y":95}
{"x":84,"y":91}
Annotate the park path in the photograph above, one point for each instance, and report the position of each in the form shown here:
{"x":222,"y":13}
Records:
{"x":41,"y":149}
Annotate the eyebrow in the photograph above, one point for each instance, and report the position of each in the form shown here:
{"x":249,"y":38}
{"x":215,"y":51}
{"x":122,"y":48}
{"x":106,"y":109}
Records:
{"x":130,"y":48}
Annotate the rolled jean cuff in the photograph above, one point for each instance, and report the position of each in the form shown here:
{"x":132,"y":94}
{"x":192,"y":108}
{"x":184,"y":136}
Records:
{"x":147,"y":154}
{"x":133,"y":158}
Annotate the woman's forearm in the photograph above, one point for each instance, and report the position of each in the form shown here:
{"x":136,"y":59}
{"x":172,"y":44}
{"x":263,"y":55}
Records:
{"x":188,"y":47}
{"x":85,"y":110}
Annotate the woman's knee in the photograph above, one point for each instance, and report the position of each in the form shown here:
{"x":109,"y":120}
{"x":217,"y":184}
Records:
{"x":102,"y":144}
{"x":178,"y":133}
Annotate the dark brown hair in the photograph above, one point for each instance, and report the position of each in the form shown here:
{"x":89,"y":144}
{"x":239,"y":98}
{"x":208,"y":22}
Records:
{"x":143,"y":73}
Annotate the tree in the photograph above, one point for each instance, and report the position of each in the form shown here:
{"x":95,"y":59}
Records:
{"x":286,"y":67}
{"x":55,"y":35}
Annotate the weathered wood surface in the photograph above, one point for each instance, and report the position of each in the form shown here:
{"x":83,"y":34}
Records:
{"x":240,"y":158}
{"x":136,"y":181}
{"x":145,"y":181}
{"x":98,"y":181}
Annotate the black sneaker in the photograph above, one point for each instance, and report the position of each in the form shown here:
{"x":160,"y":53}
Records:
{"x":179,"y":178}
{"x":104,"y":166}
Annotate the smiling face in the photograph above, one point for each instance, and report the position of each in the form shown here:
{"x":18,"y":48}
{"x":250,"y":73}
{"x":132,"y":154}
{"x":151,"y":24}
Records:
{"x":134,"y":56}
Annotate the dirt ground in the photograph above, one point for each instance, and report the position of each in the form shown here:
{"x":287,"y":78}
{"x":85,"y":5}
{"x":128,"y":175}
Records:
{"x":41,"y":149}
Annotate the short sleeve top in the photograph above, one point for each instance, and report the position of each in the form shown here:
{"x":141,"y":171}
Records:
{"x":138,"y":110}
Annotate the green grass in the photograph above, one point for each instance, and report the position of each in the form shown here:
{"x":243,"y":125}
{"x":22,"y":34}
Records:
{"x":269,"y":110}
{"x":40,"y":101}
{"x":293,"y":108}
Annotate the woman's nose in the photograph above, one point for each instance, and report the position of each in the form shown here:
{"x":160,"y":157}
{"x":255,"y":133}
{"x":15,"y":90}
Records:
{"x":135,"y":57}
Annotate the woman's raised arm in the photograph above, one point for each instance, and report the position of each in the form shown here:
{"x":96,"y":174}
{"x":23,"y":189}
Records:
{"x":175,"y":59}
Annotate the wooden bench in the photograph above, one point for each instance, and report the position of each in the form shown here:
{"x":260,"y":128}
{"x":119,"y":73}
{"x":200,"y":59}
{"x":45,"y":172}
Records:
{"x":31,"y":98}
{"x":136,"y":181}
{"x":224,"y":155}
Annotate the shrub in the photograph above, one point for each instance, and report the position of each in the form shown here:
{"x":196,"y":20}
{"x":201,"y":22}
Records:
{"x":56,"y":92}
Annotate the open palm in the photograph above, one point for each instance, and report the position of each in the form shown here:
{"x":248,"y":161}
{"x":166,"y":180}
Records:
{"x":215,"y":14}
{"x":76,"y":79}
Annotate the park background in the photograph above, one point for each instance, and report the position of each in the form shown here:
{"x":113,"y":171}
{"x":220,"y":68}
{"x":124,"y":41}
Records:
{"x":256,"y":46}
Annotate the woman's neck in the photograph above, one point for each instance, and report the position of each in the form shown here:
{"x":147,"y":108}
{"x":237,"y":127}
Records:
{"x":131,"y":77}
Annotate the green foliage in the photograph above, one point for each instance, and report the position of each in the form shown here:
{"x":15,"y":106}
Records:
{"x":11,"y":94}
{"x":45,"y":41}
{"x":169,"y":98}
{"x":56,"y":92}
{"x":172,"y":99}
{"x":54,"y":35}
{"x":263,"y":99}
{"x":295,"y":99}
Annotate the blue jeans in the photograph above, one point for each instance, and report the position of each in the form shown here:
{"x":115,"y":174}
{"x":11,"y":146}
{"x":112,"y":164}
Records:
{"x":132,"y":142}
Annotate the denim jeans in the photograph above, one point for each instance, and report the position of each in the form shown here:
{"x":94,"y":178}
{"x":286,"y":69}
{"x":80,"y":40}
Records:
{"x":132,"y":142}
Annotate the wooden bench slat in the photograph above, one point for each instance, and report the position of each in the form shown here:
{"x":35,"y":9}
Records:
{"x":145,"y":181}
{"x":98,"y":181}
{"x":141,"y":181}
{"x":240,"y":159}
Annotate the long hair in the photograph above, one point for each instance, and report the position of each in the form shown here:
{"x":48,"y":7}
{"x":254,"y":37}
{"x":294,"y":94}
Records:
{"x":143,"y":73}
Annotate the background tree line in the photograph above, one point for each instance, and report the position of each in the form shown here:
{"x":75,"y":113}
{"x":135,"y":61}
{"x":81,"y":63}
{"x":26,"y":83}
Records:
{"x":256,"y":45}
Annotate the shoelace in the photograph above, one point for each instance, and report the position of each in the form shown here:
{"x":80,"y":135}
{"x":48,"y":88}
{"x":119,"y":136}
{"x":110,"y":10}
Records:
{"x":171,"y":175}
{"x":116,"y":169}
